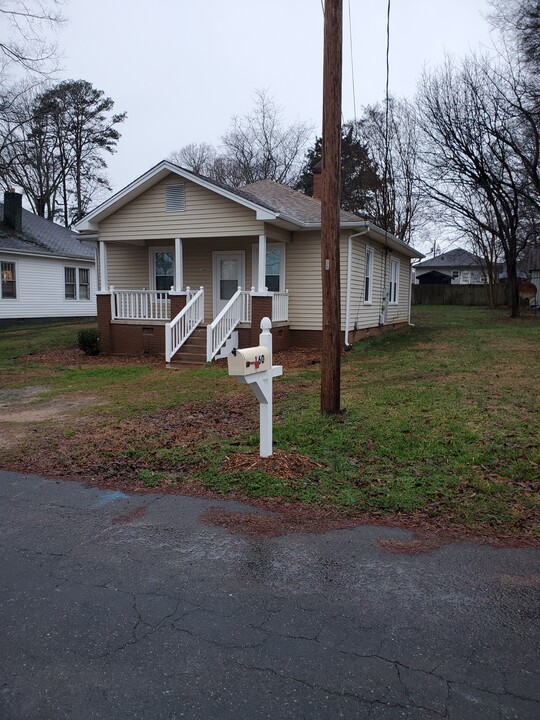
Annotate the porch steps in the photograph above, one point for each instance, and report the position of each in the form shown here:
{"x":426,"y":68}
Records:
{"x":193,"y":351}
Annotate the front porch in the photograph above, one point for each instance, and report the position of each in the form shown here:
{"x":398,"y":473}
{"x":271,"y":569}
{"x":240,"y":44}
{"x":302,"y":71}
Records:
{"x":163,"y":318}
{"x":151,"y":321}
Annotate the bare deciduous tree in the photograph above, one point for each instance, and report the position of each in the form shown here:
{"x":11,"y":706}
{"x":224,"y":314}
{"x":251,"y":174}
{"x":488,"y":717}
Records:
{"x":58,"y":141}
{"x":393,"y":147}
{"x":24,"y":43}
{"x":470,"y":132}
{"x":258,"y":146}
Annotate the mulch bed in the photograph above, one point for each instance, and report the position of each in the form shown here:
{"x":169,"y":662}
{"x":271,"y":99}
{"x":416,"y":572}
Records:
{"x":282,"y":464}
{"x":292,"y":358}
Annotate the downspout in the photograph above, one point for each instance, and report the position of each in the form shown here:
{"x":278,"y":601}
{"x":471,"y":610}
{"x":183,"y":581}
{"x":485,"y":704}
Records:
{"x":410,"y":291}
{"x":348,"y":290}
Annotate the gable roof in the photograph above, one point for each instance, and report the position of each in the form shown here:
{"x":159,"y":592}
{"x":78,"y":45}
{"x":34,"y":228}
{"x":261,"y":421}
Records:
{"x":453,"y":258}
{"x":271,"y":202}
{"x":43,"y":237}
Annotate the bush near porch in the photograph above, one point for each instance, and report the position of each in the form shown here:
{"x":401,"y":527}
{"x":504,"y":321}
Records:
{"x":441,"y":425}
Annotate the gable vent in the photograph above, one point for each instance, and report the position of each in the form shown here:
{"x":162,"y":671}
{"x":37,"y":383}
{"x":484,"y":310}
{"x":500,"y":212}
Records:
{"x":175,"y":198}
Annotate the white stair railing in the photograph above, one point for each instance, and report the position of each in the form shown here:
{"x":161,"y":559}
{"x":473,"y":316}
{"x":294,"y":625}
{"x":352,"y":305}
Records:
{"x":237,"y":310}
{"x":178,"y":330}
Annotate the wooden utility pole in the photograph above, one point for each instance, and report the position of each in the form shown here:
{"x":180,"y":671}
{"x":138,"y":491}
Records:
{"x":330,"y":206}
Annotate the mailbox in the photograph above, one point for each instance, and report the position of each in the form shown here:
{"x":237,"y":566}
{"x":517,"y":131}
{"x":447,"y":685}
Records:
{"x":249,"y":360}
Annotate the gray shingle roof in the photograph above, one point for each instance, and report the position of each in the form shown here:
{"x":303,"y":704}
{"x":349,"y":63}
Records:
{"x":453,"y":258}
{"x":43,"y":237}
{"x":289,"y":203}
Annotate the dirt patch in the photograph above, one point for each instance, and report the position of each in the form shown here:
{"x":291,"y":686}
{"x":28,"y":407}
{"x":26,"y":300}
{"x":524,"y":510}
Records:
{"x":412,"y":547}
{"x":128,"y":517}
{"x":21,"y":395}
{"x":55,"y":409}
{"x":293,"y":520}
{"x":12,"y":437}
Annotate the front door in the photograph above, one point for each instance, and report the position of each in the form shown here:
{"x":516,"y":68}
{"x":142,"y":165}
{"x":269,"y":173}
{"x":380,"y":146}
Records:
{"x":228,"y":277}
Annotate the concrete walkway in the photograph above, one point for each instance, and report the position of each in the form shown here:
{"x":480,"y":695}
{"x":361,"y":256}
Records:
{"x":116,"y":606}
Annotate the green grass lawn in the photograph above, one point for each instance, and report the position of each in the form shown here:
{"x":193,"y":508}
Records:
{"x":441,"y":421}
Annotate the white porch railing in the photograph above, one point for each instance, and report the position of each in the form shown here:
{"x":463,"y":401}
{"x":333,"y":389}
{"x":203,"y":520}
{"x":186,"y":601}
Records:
{"x":280,"y":306}
{"x":140,"y":305}
{"x":179,"y":329}
{"x":237,"y":310}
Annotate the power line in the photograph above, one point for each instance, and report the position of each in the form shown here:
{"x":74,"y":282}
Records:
{"x":352,"y":61}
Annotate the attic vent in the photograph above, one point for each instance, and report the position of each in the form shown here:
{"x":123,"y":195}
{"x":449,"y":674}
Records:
{"x":175,"y":198}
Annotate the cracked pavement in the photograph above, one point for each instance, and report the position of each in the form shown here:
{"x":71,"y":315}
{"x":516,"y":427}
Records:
{"x":128,"y":606}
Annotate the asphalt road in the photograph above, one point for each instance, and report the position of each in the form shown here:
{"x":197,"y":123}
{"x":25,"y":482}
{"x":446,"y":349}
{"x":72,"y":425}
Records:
{"x":116,"y":606}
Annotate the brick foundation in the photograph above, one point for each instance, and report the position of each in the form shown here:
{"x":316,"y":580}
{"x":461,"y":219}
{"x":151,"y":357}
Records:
{"x":104,"y":322}
{"x":178,"y":303}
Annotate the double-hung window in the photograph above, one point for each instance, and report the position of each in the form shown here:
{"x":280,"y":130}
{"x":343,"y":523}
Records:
{"x":76,"y":283}
{"x":394,"y":281}
{"x":8,"y":287}
{"x":368,"y":276}
{"x":274,"y":277}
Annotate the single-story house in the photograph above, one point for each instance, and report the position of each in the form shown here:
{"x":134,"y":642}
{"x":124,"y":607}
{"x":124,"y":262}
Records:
{"x":46,"y":271}
{"x":189,"y":267}
{"x":455,"y":267}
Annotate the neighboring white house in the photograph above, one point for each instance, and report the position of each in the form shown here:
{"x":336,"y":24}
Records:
{"x":455,"y":267}
{"x":46,"y":271}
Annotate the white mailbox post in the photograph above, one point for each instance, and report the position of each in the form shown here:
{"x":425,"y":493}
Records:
{"x":253,"y":366}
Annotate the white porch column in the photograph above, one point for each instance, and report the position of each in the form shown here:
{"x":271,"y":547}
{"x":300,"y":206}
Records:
{"x":103,"y":280}
{"x":178,"y":265}
{"x":261,"y":274}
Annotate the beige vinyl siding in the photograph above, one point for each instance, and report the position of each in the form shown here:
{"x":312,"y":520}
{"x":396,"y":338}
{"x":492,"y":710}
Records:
{"x":400,"y":312}
{"x":127,"y":266}
{"x":198,"y":265}
{"x":363,"y":315}
{"x":207,"y":214}
{"x":276,"y":234}
{"x":303,"y":280}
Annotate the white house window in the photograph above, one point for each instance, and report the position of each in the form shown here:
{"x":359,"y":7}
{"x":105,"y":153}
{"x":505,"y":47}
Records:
{"x":275,"y":267}
{"x":394,"y":281}
{"x":455,"y":274}
{"x":8,"y":287}
{"x":368,"y":278}
{"x":273,"y":270}
{"x":76,"y":283}
{"x":163,"y":270}
{"x":84,"y":284}
{"x":175,"y":198}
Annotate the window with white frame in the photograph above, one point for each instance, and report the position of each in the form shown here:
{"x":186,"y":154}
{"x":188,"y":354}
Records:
{"x":8,"y":288}
{"x":368,"y":277}
{"x":163,"y":264}
{"x":76,"y":283}
{"x":394,"y":281}
{"x":275,"y":267}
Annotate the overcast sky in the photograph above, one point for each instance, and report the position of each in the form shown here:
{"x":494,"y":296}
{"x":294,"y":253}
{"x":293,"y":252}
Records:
{"x":182,"y":68}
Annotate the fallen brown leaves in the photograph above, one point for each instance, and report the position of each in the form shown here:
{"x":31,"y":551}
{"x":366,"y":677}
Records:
{"x":282,"y":464}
